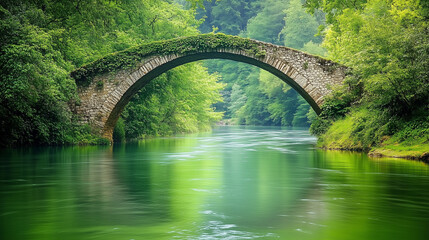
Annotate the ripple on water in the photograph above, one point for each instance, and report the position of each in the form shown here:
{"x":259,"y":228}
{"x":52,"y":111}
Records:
{"x":284,"y":150}
{"x":221,"y":230}
{"x":206,"y":190}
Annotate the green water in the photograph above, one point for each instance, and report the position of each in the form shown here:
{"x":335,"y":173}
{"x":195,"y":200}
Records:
{"x":234,"y":183}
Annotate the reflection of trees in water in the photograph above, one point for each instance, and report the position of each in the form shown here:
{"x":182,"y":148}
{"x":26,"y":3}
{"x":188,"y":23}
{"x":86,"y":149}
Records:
{"x":238,"y":182}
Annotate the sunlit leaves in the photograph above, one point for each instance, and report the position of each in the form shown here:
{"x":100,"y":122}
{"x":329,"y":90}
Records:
{"x":385,"y":43}
{"x":333,"y":8}
{"x":177,"y":102}
{"x":375,"y":43}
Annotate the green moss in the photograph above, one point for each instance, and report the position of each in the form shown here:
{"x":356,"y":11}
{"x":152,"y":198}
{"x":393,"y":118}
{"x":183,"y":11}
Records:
{"x":100,"y":85}
{"x":305,"y":65}
{"x":129,"y":58}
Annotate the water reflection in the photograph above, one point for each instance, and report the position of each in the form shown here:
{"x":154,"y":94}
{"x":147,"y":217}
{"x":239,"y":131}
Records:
{"x":234,"y":183}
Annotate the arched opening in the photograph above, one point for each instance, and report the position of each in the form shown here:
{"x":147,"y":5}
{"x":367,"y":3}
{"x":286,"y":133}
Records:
{"x":162,"y":68}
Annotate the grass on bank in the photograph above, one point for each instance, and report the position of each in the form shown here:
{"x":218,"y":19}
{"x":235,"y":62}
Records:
{"x":362,"y":130}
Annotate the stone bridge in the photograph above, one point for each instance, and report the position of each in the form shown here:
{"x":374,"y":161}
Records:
{"x":106,"y":85}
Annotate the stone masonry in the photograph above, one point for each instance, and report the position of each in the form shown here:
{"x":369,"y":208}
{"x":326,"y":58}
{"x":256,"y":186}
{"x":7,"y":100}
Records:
{"x":102,"y":102}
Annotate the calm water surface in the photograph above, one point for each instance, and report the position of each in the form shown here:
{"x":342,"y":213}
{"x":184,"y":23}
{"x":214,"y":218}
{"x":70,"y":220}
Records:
{"x":234,"y":183}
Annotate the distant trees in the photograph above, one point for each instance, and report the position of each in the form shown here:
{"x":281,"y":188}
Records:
{"x":267,"y":24}
{"x":300,"y":27}
{"x":238,"y":99}
{"x":267,"y":100}
{"x":229,"y":16}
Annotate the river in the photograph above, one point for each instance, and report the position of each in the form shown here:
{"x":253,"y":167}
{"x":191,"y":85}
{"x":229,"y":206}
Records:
{"x":233,"y":183}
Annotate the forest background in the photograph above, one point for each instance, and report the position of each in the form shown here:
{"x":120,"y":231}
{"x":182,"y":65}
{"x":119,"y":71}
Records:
{"x":383,"y":104}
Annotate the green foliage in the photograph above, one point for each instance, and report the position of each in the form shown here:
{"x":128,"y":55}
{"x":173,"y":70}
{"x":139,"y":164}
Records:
{"x":232,"y":73}
{"x":388,"y":49}
{"x":332,"y":8}
{"x":300,"y":118}
{"x":268,"y":23}
{"x":42,"y":41}
{"x":79,"y":134}
{"x":35,"y":85}
{"x":99,"y":85}
{"x":365,"y":129}
{"x":119,"y":131}
{"x":336,"y":105}
{"x":320,"y":126}
{"x":314,"y":48}
{"x":282,"y":100}
{"x":300,"y":27}
{"x":284,"y":105}
{"x":412,"y":132}
{"x":237,"y":101}
{"x":255,"y":112}
{"x":268,"y":101}
{"x":178,"y":101}
{"x":385,"y":101}
{"x":228,"y":16}
{"x":411,"y":140}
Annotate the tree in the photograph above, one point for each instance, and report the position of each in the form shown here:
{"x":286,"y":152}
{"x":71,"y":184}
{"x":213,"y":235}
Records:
{"x":269,"y":101}
{"x":35,"y":85}
{"x":179,"y":101}
{"x":238,"y":99}
{"x":229,"y":16}
{"x":385,"y":43}
{"x":268,"y":23}
{"x":300,"y":27}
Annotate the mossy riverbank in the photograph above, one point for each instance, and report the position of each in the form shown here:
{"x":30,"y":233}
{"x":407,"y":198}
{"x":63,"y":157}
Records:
{"x":411,"y":141}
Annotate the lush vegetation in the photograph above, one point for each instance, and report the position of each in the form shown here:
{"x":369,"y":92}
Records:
{"x":384,"y":103}
{"x":253,"y":96}
{"x":42,"y":41}
{"x":179,"y":101}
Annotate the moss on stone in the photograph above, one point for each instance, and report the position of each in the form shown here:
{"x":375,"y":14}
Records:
{"x":130,"y":57}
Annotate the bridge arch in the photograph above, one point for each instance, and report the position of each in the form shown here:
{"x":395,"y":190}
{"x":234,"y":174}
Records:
{"x":107,"y":85}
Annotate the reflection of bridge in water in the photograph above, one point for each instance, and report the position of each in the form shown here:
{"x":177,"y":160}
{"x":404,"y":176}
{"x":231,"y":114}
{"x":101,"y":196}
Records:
{"x":106,"y":85}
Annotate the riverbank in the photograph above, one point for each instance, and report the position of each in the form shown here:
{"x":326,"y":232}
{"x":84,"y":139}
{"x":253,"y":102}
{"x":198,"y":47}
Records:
{"x":392,"y":151}
{"x":398,"y":151}
{"x":409,"y":142}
